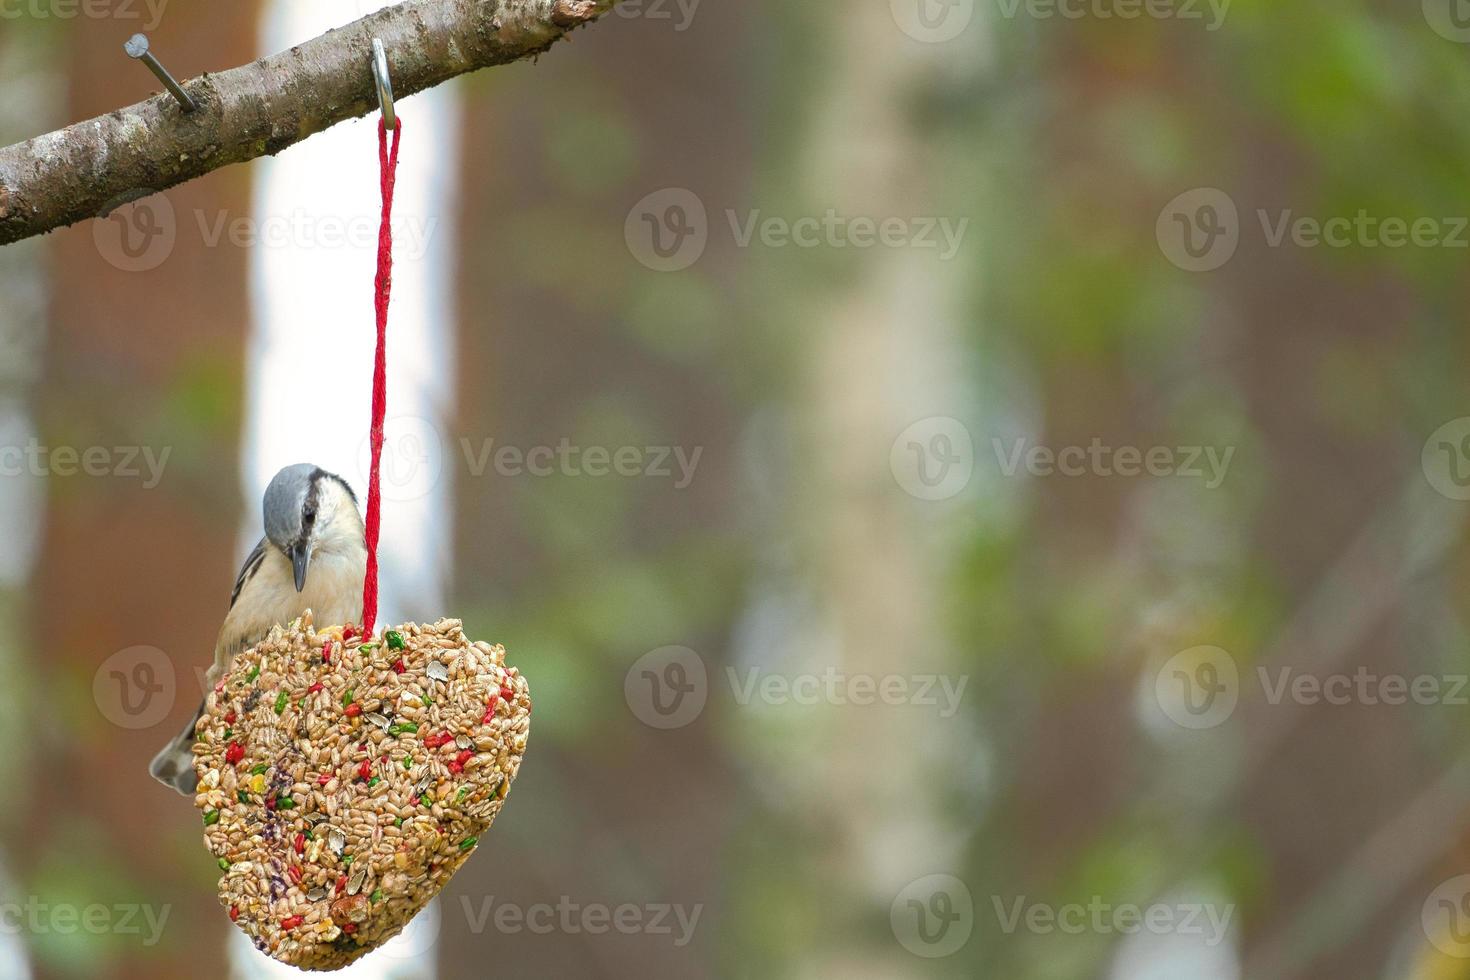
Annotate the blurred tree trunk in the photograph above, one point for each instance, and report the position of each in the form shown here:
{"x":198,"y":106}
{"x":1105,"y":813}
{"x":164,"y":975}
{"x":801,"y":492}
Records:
{"x":885,"y":351}
{"x":149,"y":358}
{"x":553,"y":346}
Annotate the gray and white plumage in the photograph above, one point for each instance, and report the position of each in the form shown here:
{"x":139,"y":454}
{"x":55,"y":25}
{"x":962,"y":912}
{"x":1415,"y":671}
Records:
{"x":313,"y":556}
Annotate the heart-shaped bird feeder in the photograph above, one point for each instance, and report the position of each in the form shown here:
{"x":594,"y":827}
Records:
{"x":344,"y":780}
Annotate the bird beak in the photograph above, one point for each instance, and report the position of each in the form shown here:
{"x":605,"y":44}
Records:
{"x":300,"y":558}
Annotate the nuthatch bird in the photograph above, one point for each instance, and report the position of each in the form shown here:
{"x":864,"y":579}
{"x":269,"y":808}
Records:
{"x":313,"y":556}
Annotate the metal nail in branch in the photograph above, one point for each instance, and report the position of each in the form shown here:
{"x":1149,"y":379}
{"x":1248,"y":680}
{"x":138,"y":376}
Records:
{"x":137,"y":48}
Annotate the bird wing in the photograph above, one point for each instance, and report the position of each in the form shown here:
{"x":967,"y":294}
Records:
{"x":251,"y":566}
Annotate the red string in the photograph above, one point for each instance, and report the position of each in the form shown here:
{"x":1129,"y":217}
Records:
{"x":383,"y":286}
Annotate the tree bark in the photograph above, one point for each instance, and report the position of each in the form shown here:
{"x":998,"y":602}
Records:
{"x":93,"y":167}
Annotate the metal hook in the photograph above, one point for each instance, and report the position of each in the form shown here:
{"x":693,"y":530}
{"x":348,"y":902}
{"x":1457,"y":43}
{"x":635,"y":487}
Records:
{"x":137,"y":48}
{"x":384,"y":84}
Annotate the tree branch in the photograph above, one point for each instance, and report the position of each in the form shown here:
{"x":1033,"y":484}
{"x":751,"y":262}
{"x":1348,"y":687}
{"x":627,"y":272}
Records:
{"x":93,"y":167}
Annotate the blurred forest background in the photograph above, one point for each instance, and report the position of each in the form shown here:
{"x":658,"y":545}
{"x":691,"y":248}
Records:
{"x":1130,"y":202}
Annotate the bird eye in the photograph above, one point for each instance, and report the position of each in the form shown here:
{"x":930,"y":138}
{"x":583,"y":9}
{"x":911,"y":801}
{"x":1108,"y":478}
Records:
{"x":309,"y":514}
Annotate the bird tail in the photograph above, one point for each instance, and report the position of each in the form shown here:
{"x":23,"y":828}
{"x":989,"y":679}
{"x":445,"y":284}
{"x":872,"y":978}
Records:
{"x":174,"y":766}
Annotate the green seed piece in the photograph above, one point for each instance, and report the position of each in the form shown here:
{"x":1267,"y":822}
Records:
{"x":259,"y":770}
{"x":469,"y":843}
{"x":377,"y":895}
{"x":211,"y":817}
{"x":224,"y":865}
{"x":242,"y":796}
{"x":408,"y":762}
{"x":281,"y":700}
{"x":285,"y":803}
{"x":373,"y":782}
{"x":395,"y":640}
{"x":254,"y":673}
{"x":346,"y":697}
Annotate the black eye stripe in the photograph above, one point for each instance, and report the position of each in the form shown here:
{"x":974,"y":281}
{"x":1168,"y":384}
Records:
{"x":308,"y":508}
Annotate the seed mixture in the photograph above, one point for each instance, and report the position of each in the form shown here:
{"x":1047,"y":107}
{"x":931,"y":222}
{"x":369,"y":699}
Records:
{"x":344,"y":780}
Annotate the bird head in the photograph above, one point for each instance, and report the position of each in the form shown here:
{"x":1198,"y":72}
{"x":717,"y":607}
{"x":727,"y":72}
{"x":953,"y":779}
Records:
{"x":308,"y":510}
